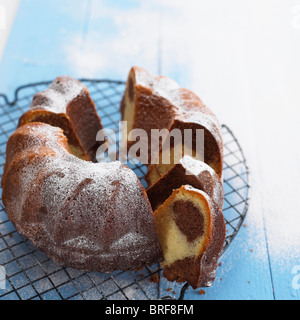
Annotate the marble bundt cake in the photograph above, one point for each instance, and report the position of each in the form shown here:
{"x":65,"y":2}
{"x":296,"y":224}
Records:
{"x":89,"y":216}
{"x":159,"y":103}
{"x":187,"y":171}
{"x":67,"y":104}
{"x":191,"y":232}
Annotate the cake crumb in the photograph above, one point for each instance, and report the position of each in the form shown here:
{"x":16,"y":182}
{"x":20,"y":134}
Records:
{"x":168,"y":289}
{"x":154,"y":278}
{"x":244,"y":225}
{"x":251,"y":250}
{"x":220,"y":263}
{"x":202,"y":292}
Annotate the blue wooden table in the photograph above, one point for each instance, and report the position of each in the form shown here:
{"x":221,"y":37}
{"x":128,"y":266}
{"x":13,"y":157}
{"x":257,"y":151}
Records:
{"x":241,"y":57}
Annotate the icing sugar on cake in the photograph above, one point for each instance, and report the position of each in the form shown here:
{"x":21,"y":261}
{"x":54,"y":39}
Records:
{"x":188,"y":171}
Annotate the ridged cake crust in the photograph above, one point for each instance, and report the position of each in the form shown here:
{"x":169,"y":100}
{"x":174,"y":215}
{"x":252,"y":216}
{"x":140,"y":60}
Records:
{"x":92,"y":217}
{"x":187,"y":171}
{"x":191,"y":231}
{"x":159,"y":103}
{"x":67,"y":104}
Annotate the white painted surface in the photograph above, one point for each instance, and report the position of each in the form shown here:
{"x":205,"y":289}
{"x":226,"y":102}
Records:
{"x":8,"y":10}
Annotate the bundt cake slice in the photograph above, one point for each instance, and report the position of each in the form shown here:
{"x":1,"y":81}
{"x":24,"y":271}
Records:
{"x":68,"y":105}
{"x":159,"y":103}
{"x":187,"y":171}
{"x":191,"y":232}
{"x":84,"y":215}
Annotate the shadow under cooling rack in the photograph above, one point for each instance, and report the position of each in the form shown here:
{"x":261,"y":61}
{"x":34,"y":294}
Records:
{"x":30,"y":274}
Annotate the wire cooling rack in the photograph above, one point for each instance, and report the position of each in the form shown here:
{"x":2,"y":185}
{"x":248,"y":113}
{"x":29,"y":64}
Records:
{"x":26,"y":273}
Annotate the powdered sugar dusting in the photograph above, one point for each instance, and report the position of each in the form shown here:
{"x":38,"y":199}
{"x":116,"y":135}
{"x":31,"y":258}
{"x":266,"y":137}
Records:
{"x":208,"y":177}
{"x":195,"y":167}
{"x":91,"y":216}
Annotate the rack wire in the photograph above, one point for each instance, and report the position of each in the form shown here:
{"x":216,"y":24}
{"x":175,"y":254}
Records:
{"x":28,"y":274}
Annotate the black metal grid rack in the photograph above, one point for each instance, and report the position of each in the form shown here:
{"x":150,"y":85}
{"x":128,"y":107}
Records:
{"x":26,"y":273}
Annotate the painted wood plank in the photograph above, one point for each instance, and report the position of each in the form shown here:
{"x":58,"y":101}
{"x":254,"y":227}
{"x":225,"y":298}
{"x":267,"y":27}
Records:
{"x":119,"y":35}
{"x":245,"y":268}
{"x":8,"y":10}
{"x":240,"y":70}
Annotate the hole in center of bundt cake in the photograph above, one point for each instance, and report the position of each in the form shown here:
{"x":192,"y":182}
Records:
{"x":191,"y":224}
